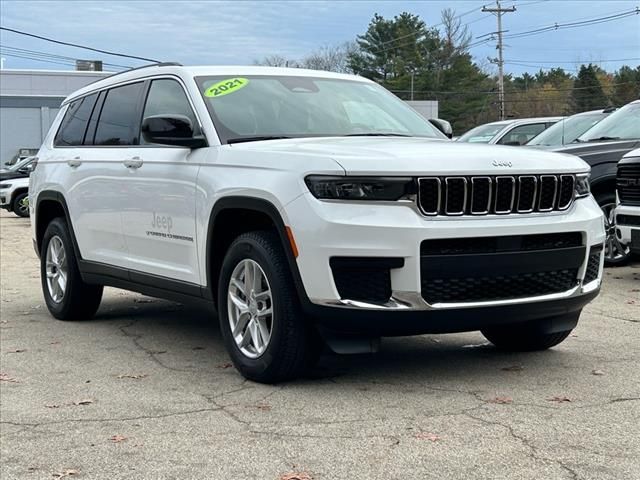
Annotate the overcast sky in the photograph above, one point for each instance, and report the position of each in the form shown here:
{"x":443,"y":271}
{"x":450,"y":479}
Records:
{"x":239,"y":32}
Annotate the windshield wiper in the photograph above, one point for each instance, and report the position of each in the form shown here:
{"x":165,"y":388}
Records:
{"x":256,"y":139}
{"x":602,"y":139}
{"x":376,"y":135}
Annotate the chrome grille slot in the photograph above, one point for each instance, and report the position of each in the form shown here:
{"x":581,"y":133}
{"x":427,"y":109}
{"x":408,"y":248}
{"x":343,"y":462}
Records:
{"x":527,"y":189}
{"x":548,"y":192}
{"x":565,"y":194}
{"x":480,"y":195}
{"x":505,"y":194}
{"x":430,"y":195}
{"x":456,"y":195}
{"x":499,"y":195}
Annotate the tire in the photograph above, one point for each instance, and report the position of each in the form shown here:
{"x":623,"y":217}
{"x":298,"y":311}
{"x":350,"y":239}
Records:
{"x":516,"y":338}
{"x":20,"y":205}
{"x":291,"y":347}
{"x":614,"y":252}
{"x":77,"y":300}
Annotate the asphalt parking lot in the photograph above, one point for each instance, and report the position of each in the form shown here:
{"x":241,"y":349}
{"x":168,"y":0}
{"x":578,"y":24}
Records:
{"x":146,"y":391}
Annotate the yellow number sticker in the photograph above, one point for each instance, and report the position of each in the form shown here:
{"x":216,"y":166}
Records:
{"x":226,"y":87}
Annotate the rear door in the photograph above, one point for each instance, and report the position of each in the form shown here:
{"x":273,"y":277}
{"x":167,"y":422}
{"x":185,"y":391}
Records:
{"x":96,"y":193}
{"x":158,"y":211}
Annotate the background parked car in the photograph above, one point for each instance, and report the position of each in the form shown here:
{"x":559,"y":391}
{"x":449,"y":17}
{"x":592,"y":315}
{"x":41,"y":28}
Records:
{"x":569,"y":129}
{"x":14,"y":195}
{"x":509,"y":132}
{"x":627,"y":213}
{"x":18,"y":169}
{"x":602,"y":146}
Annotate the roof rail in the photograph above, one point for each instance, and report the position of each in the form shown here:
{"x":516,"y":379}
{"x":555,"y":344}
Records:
{"x":159,"y":64}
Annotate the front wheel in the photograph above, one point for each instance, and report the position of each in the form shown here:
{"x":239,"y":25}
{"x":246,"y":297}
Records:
{"x":21,"y":205}
{"x":615,"y":253}
{"x":261,"y":322}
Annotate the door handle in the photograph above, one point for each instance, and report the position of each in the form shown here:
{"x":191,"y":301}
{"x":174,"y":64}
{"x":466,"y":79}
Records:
{"x":75,"y":162}
{"x":135,"y":162}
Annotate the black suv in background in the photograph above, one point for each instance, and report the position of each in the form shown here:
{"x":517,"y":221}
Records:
{"x":602,"y":146}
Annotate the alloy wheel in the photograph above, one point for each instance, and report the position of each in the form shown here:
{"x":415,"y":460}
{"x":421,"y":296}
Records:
{"x":250,"y":308}
{"x":614,"y":251}
{"x":56,"y":269}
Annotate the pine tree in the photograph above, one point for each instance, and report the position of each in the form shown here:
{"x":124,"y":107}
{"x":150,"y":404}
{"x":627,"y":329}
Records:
{"x":587,"y":91}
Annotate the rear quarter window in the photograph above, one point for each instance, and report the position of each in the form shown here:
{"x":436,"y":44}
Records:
{"x":74,"y":124}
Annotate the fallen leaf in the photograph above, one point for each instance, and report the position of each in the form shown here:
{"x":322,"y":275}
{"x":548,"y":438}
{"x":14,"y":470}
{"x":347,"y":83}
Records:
{"x":432,"y":437}
{"x":597,"y":372}
{"x":631,"y":302}
{"x":66,"y":473}
{"x":4,"y":377}
{"x":86,"y":401}
{"x":512,"y":368}
{"x":225,"y":365}
{"x":17,"y":350}
{"x":135,"y":377}
{"x":559,"y":399}
{"x":52,"y":405}
{"x":501,"y":400}
{"x":118,"y":438}
{"x":54,"y":343}
{"x":635,"y":290}
{"x":296,"y":476}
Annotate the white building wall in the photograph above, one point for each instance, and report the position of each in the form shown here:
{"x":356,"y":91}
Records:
{"x":427,"y":108}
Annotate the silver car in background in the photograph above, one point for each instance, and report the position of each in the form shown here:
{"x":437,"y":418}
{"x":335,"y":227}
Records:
{"x":509,"y":132}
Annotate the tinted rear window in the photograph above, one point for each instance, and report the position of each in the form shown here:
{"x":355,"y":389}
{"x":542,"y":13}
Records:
{"x":120,"y":120}
{"x":74,"y":123}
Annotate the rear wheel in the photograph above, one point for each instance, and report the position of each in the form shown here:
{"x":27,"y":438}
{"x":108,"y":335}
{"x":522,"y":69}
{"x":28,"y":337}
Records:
{"x":20,"y":204}
{"x":261,"y":322}
{"x":615,"y":253}
{"x":66,"y":295}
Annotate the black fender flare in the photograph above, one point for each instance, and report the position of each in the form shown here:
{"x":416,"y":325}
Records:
{"x":262,"y":206}
{"x":55,"y":196}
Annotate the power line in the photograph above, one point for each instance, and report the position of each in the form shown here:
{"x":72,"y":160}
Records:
{"x":582,"y":62}
{"x":106,"y":52}
{"x":8,"y":50}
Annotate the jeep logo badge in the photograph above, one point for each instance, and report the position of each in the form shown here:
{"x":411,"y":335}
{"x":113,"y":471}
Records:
{"x":501,"y":163}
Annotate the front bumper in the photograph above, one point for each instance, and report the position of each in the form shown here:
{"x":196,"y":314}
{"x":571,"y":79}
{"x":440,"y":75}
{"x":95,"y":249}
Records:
{"x":326,"y":229}
{"x":628,"y":226}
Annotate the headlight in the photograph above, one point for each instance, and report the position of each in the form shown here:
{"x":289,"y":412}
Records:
{"x":582,"y":185}
{"x":360,"y":188}
{"x":5,"y":185}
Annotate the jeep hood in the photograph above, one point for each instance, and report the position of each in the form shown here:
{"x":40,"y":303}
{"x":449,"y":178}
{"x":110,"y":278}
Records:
{"x":420,"y":156}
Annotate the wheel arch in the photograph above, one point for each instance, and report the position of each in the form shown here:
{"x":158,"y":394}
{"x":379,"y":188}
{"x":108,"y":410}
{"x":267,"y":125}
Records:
{"x":603,"y":185}
{"x":224,"y":226}
{"x":51,"y":204}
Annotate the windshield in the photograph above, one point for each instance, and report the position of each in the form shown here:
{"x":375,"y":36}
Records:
{"x":623,"y":124}
{"x":264,"y":107}
{"x":567,"y":130}
{"x":482,"y":134}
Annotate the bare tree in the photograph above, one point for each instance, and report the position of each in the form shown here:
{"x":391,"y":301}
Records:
{"x":456,"y":36}
{"x":330,"y":58}
{"x":276,"y":61}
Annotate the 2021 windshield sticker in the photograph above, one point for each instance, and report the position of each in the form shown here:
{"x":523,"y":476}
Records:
{"x":225,"y":87}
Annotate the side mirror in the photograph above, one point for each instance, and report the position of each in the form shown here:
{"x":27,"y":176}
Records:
{"x":443,"y":126}
{"x":171,"y":130}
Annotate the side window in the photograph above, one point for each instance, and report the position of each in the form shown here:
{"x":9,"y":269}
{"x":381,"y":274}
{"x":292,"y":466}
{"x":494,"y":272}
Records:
{"x":167,"y":97}
{"x":119,"y":120}
{"x":74,"y":124}
{"x":522,"y":134}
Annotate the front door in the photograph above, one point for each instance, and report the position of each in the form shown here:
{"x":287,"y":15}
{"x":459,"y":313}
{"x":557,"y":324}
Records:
{"x":158,"y":218}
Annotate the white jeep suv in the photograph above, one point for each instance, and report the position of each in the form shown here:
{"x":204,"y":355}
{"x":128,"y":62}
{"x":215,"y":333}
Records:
{"x":308,"y":208}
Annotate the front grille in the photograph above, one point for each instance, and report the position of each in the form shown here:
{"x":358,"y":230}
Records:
{"x":364,"y":279}
{"x":501,"y":287}
{"x":499,"y":268}
{"x":593,"y":264}
{"x":628,"y":183}
{"x":482,"y":195}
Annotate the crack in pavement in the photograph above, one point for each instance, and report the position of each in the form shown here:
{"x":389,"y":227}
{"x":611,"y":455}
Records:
{"x":525,"y":442}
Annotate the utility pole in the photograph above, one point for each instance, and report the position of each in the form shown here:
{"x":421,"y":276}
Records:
{"x":500,"y":61}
